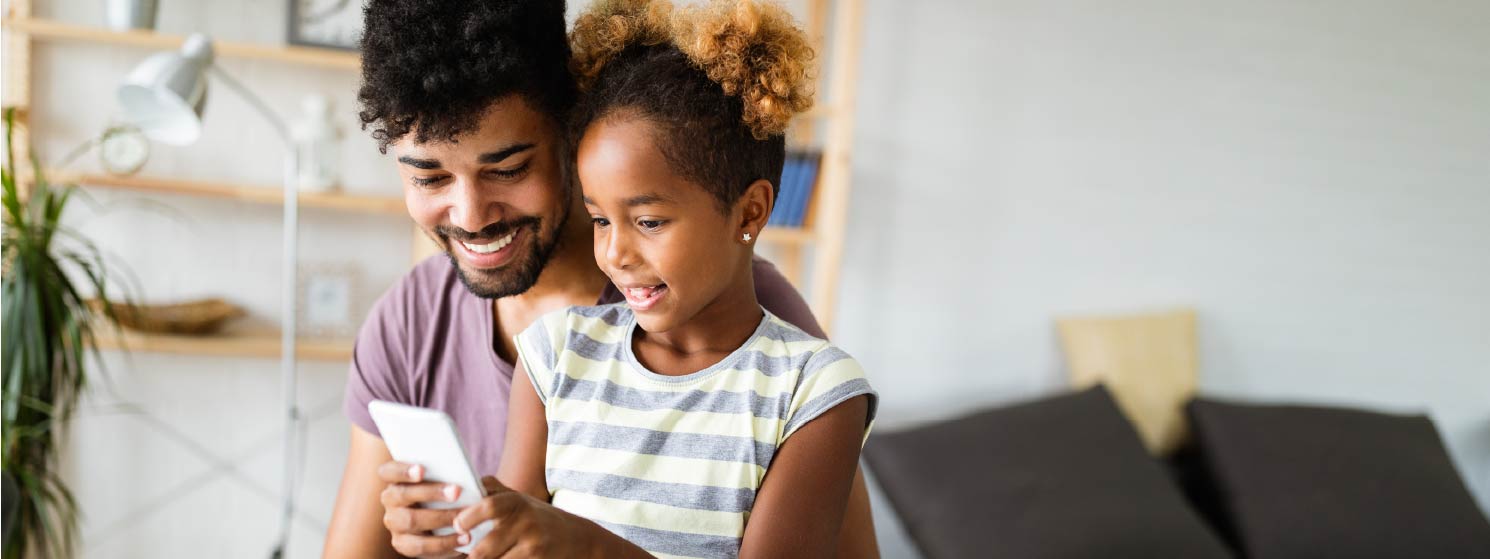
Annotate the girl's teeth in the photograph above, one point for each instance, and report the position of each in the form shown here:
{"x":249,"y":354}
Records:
{"x":642,"y":292}
{"x":491,"y":247}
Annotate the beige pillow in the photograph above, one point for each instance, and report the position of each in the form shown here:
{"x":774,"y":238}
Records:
{"x":1147,"y":361}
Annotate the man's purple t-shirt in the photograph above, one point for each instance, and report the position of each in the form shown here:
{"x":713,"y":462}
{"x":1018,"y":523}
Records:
{"x":429,"y":342}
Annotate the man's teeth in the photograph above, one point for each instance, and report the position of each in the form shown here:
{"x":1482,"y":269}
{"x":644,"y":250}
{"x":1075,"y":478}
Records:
{"x":492,"y":246}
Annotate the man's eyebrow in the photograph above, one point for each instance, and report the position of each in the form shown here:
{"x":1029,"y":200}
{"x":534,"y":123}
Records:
{"x":485,"y":159}
{"x":427,"y":164}
{"x":501,"y":154}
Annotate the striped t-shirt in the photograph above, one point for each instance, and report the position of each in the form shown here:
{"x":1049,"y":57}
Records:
{"x":673,"y":463}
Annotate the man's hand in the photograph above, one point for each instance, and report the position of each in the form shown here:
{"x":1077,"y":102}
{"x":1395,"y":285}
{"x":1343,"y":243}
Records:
{"x":411,"y":525}
{"x":524,"y":527}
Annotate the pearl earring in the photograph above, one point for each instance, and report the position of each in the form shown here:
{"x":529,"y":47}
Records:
{"x":746,"y":237}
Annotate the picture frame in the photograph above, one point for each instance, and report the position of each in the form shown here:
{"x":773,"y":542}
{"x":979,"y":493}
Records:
{"x":331,"y":300}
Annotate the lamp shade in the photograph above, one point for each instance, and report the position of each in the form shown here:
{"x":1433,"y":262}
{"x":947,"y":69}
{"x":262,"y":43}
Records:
{"x":164,"y":95}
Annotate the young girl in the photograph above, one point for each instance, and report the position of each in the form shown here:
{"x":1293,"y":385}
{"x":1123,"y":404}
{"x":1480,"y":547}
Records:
{"x":687,"y":420}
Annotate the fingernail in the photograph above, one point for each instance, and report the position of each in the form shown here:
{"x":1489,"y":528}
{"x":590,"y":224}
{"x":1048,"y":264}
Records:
{"x":451,"y":492}
{"x":456,"y":524}
{"x":414,"y":472}
{"x":463,"y":539}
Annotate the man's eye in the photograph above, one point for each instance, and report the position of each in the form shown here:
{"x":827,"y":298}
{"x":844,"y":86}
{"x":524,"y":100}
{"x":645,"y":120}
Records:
{"x":508,"y":174}
{"x":427,"y":181}
{"x":650,"y":224}
{"x":600,"y":221}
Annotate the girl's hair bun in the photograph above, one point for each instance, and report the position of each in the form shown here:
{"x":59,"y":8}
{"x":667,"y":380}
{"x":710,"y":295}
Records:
{"x":754,"y":51}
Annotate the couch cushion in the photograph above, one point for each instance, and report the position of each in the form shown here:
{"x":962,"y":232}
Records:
{"x":1317,"y":482}
{"x":1060,"y":477}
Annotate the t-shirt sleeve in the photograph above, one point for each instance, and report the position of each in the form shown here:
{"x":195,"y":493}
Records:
{"x":829,"y":378}
{"x":379,"y":369}
{"x":777,"y":295}
{"x":538,"y":350}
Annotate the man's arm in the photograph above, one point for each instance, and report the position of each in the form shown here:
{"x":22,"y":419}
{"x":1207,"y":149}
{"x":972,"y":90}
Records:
{"x":376,"y":513}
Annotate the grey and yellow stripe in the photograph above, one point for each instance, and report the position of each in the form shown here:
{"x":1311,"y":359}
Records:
{"x":673,"y":463}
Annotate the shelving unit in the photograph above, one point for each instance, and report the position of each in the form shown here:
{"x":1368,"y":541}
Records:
{"x":254,"y":194}
{"x":23,"y":29}
{"x":238,"y":344}
{"x":51,"y":30}
{"x":830,"y":124}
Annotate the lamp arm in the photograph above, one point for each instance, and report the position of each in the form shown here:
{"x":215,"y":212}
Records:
{"x":257,"y":103}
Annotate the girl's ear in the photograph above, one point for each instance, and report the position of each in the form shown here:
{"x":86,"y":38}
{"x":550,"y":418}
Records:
{"x":755,"y":207}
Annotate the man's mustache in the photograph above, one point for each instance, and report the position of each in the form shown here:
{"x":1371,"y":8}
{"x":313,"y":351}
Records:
{"x":493,"y":231}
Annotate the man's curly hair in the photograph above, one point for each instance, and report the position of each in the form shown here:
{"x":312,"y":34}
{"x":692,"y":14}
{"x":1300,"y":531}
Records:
{"x":434,"y":66}
{"x":720,"y":80}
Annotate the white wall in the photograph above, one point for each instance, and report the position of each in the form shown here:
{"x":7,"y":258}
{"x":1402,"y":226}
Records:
{"x":1313,"y":177}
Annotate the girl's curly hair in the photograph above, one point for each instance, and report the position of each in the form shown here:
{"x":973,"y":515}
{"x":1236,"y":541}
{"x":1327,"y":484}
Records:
{"x":721,"y":80}
{"x":432,"y":67}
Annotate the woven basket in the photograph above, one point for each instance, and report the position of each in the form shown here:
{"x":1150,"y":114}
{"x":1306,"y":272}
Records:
{"x":199,"y":317}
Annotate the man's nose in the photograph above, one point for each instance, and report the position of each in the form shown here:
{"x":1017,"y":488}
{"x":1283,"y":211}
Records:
{"x":470,"y":208}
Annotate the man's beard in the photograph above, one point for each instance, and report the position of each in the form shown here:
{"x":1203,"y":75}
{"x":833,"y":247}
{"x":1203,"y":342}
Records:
{"x":521,"y":273}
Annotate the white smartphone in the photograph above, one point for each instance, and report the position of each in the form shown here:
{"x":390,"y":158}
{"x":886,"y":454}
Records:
{"x":428,"y":438}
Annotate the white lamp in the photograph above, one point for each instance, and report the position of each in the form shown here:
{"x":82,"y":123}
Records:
{"x":164,"y":97}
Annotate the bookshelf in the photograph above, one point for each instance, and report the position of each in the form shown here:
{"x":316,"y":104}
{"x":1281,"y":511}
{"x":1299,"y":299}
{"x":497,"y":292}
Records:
{"x":257,"y":194}
{"x":829,"y":128}
{"x":22,"y":30}
{"x":263,"y":344}
{"x":57,"y":31}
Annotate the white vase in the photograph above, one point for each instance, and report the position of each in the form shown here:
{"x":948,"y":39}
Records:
{"x":124,"y":15}
{"x":317,"y":146}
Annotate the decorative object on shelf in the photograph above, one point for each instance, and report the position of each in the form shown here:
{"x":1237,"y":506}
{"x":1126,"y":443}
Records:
{"x":326,"y":23}
{"x":164,"y":96}
{"x":124,"y":15}
{"x":49,"y":330}
{"x":199,"y":317}
{"x":317,"y":146}
{"x":123,"y":150}
{"x":331,"y":295}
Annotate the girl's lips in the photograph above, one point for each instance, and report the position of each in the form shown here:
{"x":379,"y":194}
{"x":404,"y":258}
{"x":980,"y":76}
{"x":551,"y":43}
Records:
{"x":643,"y":298}
{"x":490,"y":259}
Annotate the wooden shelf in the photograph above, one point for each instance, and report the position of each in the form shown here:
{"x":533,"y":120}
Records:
{"x":309,"y":56}
{"x":257,"y":345}
{"x":257,"y":194}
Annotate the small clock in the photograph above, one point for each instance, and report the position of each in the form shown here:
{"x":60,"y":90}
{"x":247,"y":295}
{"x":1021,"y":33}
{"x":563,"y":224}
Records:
{"x":123,"y":150}
{"x":326,"y":23}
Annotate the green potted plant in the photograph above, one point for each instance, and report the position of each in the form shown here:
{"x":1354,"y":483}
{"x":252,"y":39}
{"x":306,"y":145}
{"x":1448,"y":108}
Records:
{"x":48,"y":330}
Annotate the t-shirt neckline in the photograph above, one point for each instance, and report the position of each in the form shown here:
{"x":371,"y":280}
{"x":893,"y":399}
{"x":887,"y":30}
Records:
{"x":636,"y":365}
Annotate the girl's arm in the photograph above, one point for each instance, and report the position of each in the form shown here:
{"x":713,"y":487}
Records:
{"x":799,"y":509}
{"x":518,"y":500}
{"x":527,"y":439}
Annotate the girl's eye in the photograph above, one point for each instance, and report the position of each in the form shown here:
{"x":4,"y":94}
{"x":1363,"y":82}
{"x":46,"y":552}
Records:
{"x":600,"y":221}
{"x":650,"y":224}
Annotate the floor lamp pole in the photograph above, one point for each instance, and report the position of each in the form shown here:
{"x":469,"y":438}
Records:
{"x":289,"y":289}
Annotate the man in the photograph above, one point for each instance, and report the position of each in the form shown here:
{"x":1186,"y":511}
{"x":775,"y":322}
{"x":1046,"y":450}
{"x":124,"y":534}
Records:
{"x":471,"y":97}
